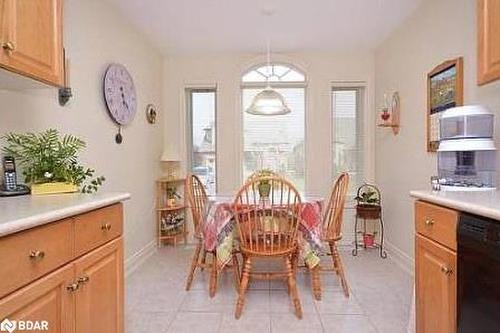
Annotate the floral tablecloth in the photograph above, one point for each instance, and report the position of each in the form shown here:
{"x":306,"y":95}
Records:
{"x":219,"y":229}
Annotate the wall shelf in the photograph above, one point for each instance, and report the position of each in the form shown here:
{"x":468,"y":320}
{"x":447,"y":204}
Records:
{"x":394,"y":118}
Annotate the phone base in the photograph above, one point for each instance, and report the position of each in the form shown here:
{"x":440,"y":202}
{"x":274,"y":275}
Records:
{"x":20,"y":190}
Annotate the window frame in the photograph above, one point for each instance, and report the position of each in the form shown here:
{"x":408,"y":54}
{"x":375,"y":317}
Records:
{"x":276,"y":85}
{"x":361,"y":106}
{"x":188,"y":92}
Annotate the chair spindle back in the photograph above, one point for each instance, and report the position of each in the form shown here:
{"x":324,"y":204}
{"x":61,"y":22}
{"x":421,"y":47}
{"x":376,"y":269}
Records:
{"x":332,"y":222}
{"x":197,"y":199}
{"x":267,"y":212}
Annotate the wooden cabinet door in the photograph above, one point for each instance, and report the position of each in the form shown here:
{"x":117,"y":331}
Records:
{"x":435,"y":282}
{"x":32,"y":39}
{"x":488,"y":21}
{"x":99,"y":305}
{"x":46,"y":300}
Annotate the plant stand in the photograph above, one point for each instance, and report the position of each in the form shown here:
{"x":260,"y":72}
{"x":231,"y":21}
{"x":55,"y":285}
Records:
{"x":368,"y":212}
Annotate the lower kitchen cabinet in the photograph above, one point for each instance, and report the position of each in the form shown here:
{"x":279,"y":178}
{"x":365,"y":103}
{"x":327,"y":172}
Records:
{"x":46,"y":301}
{"x":436,"y":286}
{"x":77,"y":293}
{"x":99,"y":300}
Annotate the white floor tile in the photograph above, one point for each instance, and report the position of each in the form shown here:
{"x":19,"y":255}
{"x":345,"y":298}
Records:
{"x":250,"y":322}
{"x":347,"y":324}
{"x":289,"y":323}
{"x":196,"y":322}
{"x":156,"y":300}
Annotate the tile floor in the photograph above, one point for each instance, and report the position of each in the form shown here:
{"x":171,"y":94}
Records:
{"x":156,"y":301}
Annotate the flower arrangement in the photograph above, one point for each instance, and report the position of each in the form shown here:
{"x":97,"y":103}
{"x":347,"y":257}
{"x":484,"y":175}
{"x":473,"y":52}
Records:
{"x":264,"y":186}
{"x":48,"y":157}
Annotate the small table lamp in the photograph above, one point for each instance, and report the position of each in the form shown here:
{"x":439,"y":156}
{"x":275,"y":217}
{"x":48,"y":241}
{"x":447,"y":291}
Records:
{"x":170,"y":157}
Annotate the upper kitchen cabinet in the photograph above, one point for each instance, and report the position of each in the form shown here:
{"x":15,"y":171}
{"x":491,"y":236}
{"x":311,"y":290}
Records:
{"x":31,"y":39}
{"x":488,"y":41}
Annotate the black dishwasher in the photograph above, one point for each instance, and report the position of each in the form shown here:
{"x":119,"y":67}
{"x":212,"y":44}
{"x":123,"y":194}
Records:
{"x":478,"y":275}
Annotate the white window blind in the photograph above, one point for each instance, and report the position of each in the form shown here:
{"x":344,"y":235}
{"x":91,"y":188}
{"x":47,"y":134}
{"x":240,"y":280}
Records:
{"x":276,"y":142}
{"x":202,"y":136}
{"x":348,"y":135}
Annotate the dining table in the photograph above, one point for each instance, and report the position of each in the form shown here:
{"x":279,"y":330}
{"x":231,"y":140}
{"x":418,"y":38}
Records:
{"x":219,"y":229}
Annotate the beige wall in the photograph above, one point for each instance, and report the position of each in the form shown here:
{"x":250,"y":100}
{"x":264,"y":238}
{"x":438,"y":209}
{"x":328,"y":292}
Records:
{"x":437,"y":31}
{"x":94,"y":37}
{"x":225,"y":73}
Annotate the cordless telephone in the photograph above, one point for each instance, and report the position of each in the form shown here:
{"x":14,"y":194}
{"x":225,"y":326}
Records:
{"x":10,"y":186}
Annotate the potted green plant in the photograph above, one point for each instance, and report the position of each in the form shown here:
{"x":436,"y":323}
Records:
{"x":49,"y":162}
{"x":368,"y":202}
{"x":172,"y":196}
{"x":264,"y":186}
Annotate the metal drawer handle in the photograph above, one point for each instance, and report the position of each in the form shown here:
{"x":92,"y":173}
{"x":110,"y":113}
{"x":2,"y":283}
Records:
{"x":446,"y":270}
{"x":37,"y":255}
{"x":106,"y":227}
{"x":84,"y":279}
{"x":429,"y":222}
{"x":8,"y":46}
{"x":73,"y":287}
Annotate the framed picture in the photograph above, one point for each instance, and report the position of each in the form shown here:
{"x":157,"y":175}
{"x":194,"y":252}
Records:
{"x":444,"y":90}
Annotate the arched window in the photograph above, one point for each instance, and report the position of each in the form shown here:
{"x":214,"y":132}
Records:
{"x":273,"y":72}
{"x":275,"y":142}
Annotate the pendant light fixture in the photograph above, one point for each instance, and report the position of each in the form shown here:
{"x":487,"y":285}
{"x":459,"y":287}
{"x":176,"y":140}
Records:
{"x":268,"y":102}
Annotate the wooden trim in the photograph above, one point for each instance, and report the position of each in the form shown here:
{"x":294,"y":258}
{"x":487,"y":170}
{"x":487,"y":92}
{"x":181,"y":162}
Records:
{"x":459,"y":95}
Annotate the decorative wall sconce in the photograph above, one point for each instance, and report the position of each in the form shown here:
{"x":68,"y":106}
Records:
{"x":389,"y":116}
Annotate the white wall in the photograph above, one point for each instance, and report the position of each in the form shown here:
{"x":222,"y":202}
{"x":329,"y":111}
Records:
{"x":437,"y":31}
{"x":225,"y":73}
{"x":95,"y":35}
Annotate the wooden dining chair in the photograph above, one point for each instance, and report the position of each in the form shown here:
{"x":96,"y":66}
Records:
{"x":198,"y":200}
{"x":267,"y":222}
{"x":332,"y":228}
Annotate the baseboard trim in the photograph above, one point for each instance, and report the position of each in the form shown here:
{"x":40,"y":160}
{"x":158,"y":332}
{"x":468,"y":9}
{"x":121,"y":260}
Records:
{"x":400,"y":258}
{"x":137,"y":259}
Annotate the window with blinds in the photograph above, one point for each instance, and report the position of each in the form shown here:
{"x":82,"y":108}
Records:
{"x":275,"y":142}
{"x":202,"y":136}
{"x":348,"y":134}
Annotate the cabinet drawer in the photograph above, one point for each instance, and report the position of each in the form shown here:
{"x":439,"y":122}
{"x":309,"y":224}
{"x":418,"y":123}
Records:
{"x":97,"y":227}
{"x":27,"y":255}
{"x":437,"y":223}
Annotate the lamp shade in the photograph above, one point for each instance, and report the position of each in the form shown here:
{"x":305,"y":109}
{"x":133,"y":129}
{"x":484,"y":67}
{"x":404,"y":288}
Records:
{"x":268,"y":102}
{"x":170,"y":155}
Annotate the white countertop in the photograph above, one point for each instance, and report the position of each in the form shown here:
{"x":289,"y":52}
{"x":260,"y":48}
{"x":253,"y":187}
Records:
{"x":24,"y":212}
{"x":481,"y":203}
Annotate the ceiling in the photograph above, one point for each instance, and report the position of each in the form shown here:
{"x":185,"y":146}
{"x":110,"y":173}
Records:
{"x":222,"y":26}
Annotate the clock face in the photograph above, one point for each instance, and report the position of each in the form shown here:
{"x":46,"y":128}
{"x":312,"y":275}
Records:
{"x":119,"y":92}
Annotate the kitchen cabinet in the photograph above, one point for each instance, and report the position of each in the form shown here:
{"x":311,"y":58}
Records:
{"x":488,"y":28}
{"x":47,"y":300}
{"x":73,"y":288}
{"x":435,"y":268}
{"x":100,"y":298}
{"x":31,"y":38}
{"x":435,"y":279}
